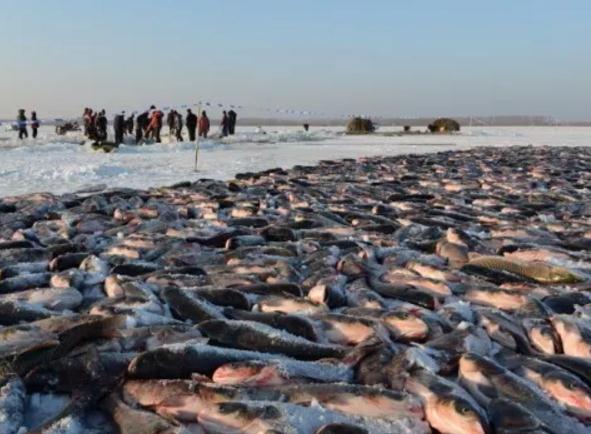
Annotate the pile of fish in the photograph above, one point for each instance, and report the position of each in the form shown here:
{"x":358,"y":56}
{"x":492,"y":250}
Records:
{"x":444,"y":293}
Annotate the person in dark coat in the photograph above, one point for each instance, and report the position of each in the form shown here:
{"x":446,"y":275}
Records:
{"x":170,"y":121}
{"x":101,"y":126}
{"x":225,"y":124}
{"x":191,"y":123}
{"x":141,"y":126}
{"x":203,"y":125}
{"x":34,"y":124}
{"x":232,"y":117}
{"x":129,"y":124}
{"x":178,"y":126}
{"x":21,"y":121}
{"x":119,"y":127}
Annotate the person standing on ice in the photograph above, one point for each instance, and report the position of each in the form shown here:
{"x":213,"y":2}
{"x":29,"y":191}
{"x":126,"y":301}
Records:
{"x":119,"y":127}
{"x":21,"y":122}
{"x":101,"y":126}
{"x":87,"y":119}
{"x":225,"y":124}
{"x":191,"y":122}
{"x":155,"y":124}
{"x":170,"y":121}
{"x":129,"y":123}
{"x":34,"y":124}
{"x":178,"y":126}
{"x":141,"y":126}
{"x":232,"y":116}
{"x":203,"y":124}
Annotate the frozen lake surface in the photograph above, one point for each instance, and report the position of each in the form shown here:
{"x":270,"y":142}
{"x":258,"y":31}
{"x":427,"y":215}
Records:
{"x":60,"y":164}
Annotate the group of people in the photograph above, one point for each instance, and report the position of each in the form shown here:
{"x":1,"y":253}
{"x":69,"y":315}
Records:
{"x":95,"y":124}
{"x":228,"y":124}
{"x":22,"y":122}
{"x":148,"y":125}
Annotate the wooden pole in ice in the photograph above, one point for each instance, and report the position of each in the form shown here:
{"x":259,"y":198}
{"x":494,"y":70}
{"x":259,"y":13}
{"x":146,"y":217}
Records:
{"x":198,"y":136}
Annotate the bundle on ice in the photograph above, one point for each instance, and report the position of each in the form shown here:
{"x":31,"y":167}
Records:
{"x":444,"y":125}
{"x":360,"y":126}
{"x":63,"y":128}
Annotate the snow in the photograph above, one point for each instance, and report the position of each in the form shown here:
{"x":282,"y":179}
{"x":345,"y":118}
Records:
{"x":60,"y":164}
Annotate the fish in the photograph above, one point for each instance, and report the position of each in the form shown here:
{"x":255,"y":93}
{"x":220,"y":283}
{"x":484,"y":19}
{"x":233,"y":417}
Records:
{"x":134,"y":421}
{"x":297,"y":325}
{"x":261,"y":337}
{"x":536,"y":271}
{"x":487,"y":380}
{"x":442,"y":292}
{"x":566,"y":388}
{"x":542,"y":336}
{"x":262,"y":416}
{"x":448,"y":408}
{"x":23,"y":282}
{"x":575,"y":336}
{"x":373,"y":402}
{"x":189,"y":306}
{"x":509,"y":417}
{"x":182,"y":360}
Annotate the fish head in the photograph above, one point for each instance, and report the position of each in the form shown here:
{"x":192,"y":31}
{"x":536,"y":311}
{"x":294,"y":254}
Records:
{"x":542,"y":336}
{"x":249,"y":373}
{"x":569,"y":391}
{"x":477,"y":374}
{"x":458,"y":413}
{"x":406,"y":325}
{"x":213,"y":327}
{"x":563,"y":275}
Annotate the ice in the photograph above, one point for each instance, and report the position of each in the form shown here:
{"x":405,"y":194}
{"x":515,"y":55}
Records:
{"x":60,"y":164}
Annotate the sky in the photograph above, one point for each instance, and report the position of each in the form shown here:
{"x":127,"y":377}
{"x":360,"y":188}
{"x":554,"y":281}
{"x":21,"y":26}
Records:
{"x":376,"y":57}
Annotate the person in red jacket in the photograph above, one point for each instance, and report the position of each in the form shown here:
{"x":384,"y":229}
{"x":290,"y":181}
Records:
{"x":155,"y":124}
{"x":203,"y":126}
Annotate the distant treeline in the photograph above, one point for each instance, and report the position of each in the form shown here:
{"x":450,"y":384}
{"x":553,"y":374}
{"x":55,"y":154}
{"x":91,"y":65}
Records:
{"x":423,"y":121}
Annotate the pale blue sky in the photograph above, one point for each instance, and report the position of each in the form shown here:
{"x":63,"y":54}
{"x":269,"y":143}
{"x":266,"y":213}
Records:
{"x":383,"y":57}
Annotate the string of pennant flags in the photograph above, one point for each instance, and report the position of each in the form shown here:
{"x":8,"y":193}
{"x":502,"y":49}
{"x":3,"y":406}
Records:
{"x":287,"y":111}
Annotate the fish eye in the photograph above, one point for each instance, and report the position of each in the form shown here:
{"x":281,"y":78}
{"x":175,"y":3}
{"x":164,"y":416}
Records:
{"x":545,"y":331}
{"x":571,"y":385}
{"x":401,"y":315}
{"x":462,"y":408}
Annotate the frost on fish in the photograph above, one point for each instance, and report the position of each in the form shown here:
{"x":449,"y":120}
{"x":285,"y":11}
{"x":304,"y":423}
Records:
{"x":12,"y":405}
{"x":289,"y":418}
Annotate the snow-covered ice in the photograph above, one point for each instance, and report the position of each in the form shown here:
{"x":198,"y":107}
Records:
{"x":60,"y":164}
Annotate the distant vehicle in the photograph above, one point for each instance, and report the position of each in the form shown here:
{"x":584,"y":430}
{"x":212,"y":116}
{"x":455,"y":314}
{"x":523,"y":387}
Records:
{"x":62,"y":127}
